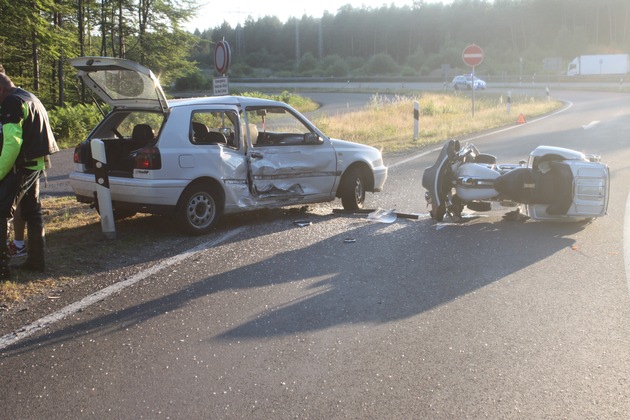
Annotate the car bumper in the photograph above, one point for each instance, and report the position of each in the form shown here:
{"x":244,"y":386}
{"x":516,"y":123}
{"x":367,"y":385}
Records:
{"x":131,"y":190}
{"x":380,"y":176}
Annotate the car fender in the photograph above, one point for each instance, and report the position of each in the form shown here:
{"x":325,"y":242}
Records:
{"x":350,"y":154}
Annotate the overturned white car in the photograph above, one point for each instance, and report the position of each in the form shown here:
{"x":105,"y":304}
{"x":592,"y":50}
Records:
{"x":197,"y":159}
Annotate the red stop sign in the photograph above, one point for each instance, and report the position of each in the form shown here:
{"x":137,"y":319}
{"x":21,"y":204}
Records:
{"x":472,"y":55}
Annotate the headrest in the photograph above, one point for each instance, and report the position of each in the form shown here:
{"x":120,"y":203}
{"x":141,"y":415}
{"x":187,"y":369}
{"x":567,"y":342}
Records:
{"x":142,"y":132}
{"x":253,"y":132}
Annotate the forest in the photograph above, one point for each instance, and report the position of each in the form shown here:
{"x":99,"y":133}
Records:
{"x":518,"y":37}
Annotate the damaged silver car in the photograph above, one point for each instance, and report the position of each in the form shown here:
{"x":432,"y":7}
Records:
{"x":198,"y":159}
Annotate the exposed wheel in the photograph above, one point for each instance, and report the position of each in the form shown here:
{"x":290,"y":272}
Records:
{"x":437,"y":212}
{"x":198,"y":209}
{"x":455,"y":209}
{"x":353,"y":189}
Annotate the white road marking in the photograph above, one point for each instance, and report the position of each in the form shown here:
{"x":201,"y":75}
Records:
{"x":590,"y":125}
{"x":102,"y":294}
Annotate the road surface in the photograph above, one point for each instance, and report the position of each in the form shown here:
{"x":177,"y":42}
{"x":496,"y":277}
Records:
{"x":413,"y":319}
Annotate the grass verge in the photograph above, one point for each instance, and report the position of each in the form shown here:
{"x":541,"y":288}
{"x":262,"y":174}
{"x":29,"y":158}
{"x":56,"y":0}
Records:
{"x":388,"y":124}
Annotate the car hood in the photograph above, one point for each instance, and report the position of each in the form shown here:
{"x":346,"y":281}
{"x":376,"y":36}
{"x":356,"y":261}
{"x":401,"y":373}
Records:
{"x":121,"y":83}
{"x":369,"y":153}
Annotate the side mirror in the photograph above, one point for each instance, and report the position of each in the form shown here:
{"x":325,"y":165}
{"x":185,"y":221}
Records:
{"x":311,"y":138}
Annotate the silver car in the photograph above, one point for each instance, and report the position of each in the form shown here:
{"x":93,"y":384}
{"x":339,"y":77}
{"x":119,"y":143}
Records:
{"x":465,"y":81}
{"x":197,"y":159}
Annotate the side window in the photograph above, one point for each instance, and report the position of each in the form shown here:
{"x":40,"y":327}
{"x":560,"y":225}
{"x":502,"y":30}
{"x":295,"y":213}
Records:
{"x":214,"y":127}
{"x":122,"y":124}
{"x":275,"y":126}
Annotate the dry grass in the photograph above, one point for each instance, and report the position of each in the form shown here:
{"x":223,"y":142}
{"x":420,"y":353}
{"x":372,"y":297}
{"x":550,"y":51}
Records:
{"x":65,"y":222}
{"x":388,"y":124}
{"x":76,"y":247}
{"x":75,"y":244}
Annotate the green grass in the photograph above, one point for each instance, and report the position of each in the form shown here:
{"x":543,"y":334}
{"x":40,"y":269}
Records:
{"x":388,"y":124}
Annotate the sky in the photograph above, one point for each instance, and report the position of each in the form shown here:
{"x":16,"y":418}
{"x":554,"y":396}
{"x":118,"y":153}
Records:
{"x":213,"y":13}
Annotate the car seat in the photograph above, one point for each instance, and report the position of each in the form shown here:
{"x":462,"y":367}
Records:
{"x":253,"y":133}
{"x":141,"y":135}
{"x":200,"y":132}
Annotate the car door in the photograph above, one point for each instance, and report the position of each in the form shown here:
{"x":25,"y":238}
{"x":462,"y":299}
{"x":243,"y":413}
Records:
{"x":288,"y":161}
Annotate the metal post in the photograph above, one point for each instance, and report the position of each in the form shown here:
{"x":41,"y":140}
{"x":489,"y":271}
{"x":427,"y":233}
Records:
{"x":416,"y":120}
{"x":473,"y":91}
{"x":103,"y":194}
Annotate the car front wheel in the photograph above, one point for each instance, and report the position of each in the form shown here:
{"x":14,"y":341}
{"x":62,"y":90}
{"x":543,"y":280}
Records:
{"x":198,"y":210}
{"x":353,"y":189}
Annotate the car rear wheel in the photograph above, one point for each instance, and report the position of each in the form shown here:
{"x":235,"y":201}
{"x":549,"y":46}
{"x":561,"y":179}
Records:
{"x":198,"y":209}
{"x":353,"y":189}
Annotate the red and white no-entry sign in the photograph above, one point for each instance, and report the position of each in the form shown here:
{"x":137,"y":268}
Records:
{"x":222,"y":57}
{"x":472,"y":55}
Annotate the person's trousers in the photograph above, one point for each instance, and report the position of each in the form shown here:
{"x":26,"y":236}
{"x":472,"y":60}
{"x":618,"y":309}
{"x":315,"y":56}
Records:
{"x":21,"y":186}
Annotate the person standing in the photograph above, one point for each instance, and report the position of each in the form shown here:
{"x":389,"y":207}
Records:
{"x":26,"y":140}
{"x":17,"y":247}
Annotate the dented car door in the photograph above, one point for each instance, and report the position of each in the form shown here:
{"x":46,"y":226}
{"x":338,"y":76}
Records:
{"x":288,"y":160}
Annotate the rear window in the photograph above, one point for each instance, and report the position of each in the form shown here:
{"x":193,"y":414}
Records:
{"x":121,"y":124}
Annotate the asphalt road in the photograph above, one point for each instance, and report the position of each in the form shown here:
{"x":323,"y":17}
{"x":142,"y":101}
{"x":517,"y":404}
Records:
{"x":414,"y":319}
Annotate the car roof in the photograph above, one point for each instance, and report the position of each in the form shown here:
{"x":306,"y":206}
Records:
{"x":229,"y":100}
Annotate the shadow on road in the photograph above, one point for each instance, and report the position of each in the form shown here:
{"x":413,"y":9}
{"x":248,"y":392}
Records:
{"x":367,"y":282}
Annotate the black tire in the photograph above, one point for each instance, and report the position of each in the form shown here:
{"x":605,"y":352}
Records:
{"x":437,"y":213}
{"x":353,"y":189}
{"x":198,"y":209}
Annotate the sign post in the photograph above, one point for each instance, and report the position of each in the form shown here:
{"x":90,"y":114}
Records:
{"x":473,"y":56}
{"x":222,"y":59}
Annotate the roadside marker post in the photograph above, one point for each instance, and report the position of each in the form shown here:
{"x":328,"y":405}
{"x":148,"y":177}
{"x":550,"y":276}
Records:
{"x":509,"y":101}
{"x":103,"y":194}
{"x":416,"y":120}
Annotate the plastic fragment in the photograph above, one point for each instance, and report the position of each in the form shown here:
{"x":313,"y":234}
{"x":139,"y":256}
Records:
{"x":383,"y":216}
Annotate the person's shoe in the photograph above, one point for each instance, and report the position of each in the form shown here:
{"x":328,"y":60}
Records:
{"x":27,"y":265}
{"x":17,"y":251}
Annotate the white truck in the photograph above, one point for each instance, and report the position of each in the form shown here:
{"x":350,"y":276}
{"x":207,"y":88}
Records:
{"x":600,"y":64}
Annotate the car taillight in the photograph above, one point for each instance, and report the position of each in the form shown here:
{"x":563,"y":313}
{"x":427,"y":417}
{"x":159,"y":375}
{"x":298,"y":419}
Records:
{"x":148,"y":158}
{"x":78,"y":154}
